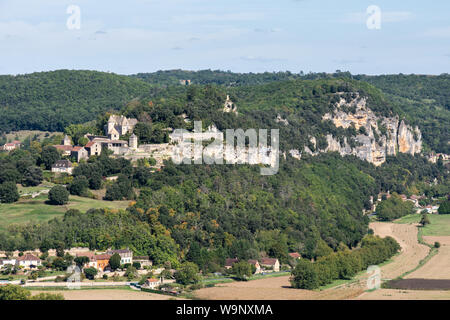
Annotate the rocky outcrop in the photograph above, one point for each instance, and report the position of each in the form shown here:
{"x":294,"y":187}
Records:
{"x":376,"y":136}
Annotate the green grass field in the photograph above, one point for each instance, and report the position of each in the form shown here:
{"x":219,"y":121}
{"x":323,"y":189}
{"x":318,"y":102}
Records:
{"x":37,"y":210}
{"x":439,"y":226}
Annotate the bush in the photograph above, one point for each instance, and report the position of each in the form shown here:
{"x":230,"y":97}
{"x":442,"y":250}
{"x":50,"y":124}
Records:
{"x":79,"y":186}
{"x":32,"y":177}
{"x":90,"y":273}
{"x":242,"y":270}
{"x":437,"y":245}
{"x":8,"y":192}
{"x":305,"y":276}
{"x":444,"y":208}
{"x":58,"y":195}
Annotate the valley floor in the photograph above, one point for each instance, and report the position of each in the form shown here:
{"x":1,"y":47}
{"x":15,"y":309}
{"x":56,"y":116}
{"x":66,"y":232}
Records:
{"x":438,"y":267}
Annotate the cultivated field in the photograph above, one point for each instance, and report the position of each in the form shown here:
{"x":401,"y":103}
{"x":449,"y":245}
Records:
{"x":412,"y":251}
{"x":107,"y":294}
{"x":276,"y":288}
{"x":438,"y":267}
{"x":395,"y":294}
{"x":27,"y":210}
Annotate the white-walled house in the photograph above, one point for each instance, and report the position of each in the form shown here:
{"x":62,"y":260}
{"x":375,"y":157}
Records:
{"x":28,"y":261}
{"x":5,"y":262}
{"x":126,"y":256}
{"x":270,"y":263}
{"x":152,"y":283}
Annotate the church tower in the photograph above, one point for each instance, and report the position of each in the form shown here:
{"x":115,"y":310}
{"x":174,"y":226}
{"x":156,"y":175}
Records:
{"x":133,"y":143}
{"x":66,"y":141}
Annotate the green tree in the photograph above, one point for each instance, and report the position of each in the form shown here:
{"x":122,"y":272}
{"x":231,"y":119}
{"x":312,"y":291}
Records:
{"x":444,"y":208}
{"x":187,"y":274}
{"x":90,"y":273}
{"x":79,"y":186}
{"x":114,"y":261}
{"x":32,"y":177}
{"x":49,"y":156}
{"x":13,"y":292}
{"x":242,"y":270}
{"x":424,"y":220}
{"x":58,"y":195}
{"x":304,"y":276}
{"x":8,"y":192}
{"x":47,"y":296}
{"x":81,"y":261}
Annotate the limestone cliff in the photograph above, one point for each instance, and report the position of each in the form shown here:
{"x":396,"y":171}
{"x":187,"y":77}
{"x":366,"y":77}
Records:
{"x":377,"y":136}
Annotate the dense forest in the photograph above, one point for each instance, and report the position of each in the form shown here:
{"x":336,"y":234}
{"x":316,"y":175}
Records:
{"x":205,"y":214}
{"x":53,"y":100}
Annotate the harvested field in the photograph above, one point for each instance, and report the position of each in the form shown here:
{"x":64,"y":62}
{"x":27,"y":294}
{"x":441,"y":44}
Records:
{"x":412,"y":251}
{"x":395,"y":294}
{"x":277,"y":288}
{"x":420,"y":284}
{"x":438,"y":267}
{"x":107,"y":294}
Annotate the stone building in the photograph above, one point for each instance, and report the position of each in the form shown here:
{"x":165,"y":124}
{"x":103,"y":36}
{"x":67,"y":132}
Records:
{"x":119,"y":125}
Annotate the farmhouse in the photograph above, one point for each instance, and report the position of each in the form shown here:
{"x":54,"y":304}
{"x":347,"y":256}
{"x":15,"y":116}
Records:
{"x":271,"y":263}
{"x":143,"y":261}
{"x":152,"y":283}
{"x":28,"y":261}
{"x":295,"y":255}
{"x":126,"y":256}
{"x":256,"y":264}
{"x":62,"y":166}
{"x":229,"y":262}
{"x":11,"y":146}
{"x":5,"y":262}
{"x":102,"y":261}
{"x":79,"y":153}
{"x":92,"y":261}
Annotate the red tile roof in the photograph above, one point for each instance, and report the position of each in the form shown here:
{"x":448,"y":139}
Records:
{"x":64,"y":148}
{"x":77,"y":149}
{"x":102,"y":257}
{"x":295,"y":255}
{"x":269,"y":261}
{"x":90,"y":144}
{"x":28,"y":257}
{"x":229,"y":262}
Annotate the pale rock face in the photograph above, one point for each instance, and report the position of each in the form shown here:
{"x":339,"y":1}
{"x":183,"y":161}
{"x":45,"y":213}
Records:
{"x":394,"y":137}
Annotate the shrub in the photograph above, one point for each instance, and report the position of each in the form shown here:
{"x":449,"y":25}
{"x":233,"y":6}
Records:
{"x":8,"y":192}
{"x":58,"y":195}
{"x":305,"y":276}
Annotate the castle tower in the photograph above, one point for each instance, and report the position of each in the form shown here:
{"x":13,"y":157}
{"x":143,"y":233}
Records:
{"x":133,"y":143}
{"x":66,"y":141}
{"x":111,"y":124}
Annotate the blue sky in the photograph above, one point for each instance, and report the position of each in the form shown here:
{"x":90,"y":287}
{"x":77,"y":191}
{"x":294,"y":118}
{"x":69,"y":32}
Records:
{"x":239,"y":35}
